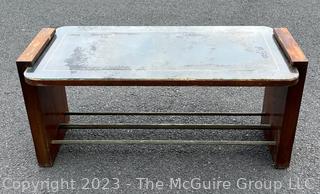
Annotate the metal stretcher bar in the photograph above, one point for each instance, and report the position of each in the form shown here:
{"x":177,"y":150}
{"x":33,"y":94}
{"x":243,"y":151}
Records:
{"x":190,"y":142}
{"x":172,"y":113}
{"x":166,"y":126}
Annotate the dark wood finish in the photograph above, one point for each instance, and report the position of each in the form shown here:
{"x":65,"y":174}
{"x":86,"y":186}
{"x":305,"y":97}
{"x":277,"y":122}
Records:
{"x":45,"y":105}
{"x":36,"y":46}
{"x":283,"y":103}
{"x":290,"y":47}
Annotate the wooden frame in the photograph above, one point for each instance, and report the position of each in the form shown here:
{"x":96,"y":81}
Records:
{"x":283,"y":103}
{"x":47,"y":107}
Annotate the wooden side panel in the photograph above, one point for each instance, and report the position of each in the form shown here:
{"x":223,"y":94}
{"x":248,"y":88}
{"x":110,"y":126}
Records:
{"x":36,"y":47}
{"x":283,"y":103}
{"x":290,"y":47}
{"x":274,"y":104}
{"x":45,"y":105}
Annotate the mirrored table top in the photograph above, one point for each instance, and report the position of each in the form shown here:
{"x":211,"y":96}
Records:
{"x":168,"y":53}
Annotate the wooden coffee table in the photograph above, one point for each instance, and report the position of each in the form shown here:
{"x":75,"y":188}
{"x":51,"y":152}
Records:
{"x":162,"y":56}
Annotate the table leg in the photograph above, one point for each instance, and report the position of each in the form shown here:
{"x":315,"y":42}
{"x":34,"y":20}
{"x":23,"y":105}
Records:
{"x":45,"y":106}
{"x":283,"y":105}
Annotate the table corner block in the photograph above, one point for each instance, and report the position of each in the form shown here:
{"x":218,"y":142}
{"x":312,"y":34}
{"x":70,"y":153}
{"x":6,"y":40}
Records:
{"x":290,"y":47}
{"x":36,"y":47}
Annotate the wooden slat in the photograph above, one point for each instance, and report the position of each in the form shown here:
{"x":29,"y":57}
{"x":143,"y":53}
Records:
{"x":290,"y":47}
{"x":36,"y":47}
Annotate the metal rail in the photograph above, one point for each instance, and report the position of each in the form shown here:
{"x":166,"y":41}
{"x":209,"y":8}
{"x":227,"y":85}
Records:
{"x":171,"y":113}
{"x":165,"y":126}
{"x":189,"y":142}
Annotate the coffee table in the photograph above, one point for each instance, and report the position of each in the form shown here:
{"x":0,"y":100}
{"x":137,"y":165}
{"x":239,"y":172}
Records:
{"x":253,"y":56}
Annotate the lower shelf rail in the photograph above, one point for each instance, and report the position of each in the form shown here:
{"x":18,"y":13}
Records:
{"x":190,"y":142}
{"x":164,"y":126}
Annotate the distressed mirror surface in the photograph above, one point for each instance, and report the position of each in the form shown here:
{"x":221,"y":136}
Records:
{"x":162,"y":53}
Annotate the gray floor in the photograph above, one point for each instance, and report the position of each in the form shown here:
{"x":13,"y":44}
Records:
{"x":20,"y":21}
